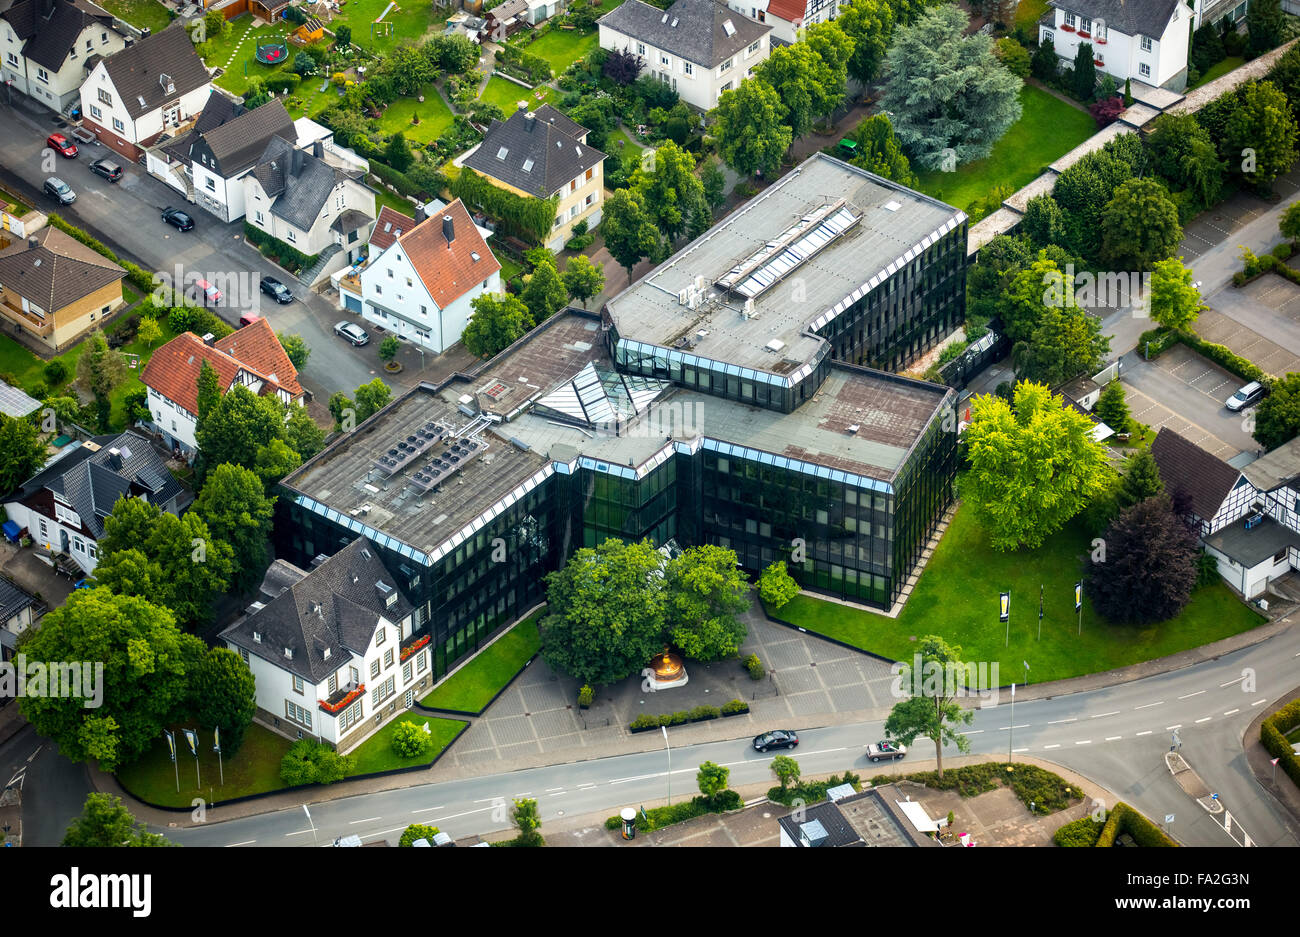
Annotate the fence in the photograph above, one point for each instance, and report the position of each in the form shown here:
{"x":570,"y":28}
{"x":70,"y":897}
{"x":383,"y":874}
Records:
{"x":958,"y":372}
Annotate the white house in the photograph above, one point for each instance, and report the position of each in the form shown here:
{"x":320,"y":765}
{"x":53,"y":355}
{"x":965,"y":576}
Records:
{"x":1248,"y":518}
{"x":336,"y":651}
{"x":420,"y":287}
{"x":19,"y":610}
{"x":700,"y":47}
{"x":1146,"y":41}
{"x":63,"y":507}
{"x":251,"y":356}
{"x":786,"y":17}
{"x":157,"y":85}
{"x":47,"y":46}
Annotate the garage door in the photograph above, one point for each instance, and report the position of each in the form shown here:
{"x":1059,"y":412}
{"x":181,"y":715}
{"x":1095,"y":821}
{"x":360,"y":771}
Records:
{"x":351,"y":304}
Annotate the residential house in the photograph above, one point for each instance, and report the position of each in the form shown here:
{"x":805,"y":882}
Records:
{"x":312,"y":205}
{"x":63,"y":507}
{"x":506,"y":19}
{"x":19,"y":610}
{"x":1248,"y":518}
{"x":874,"y":817}
{"x":251,"y":357}
{"x":388,"y":228}
{"x":1147,"y":41}
{"x":332,"y":648}
{"x":268,"y":10}
{"x":157,"y":85}
{"x":54,"y":289}
{"x":700,"y":47}
{"x":543,"y":154}
{"x":47,"y":46}
{"x":541,"y":10}
{"x":787,"y":17}
{"x":207,"y":164}
{"x":420,"y":287}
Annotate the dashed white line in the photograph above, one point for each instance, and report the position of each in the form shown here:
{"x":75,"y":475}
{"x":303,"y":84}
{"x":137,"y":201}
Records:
{"x":587,"y":784}
{"x":1171,"y":728}
{"x":1005,"y":728}
{"x":1190,"y":695}
{"x":525,"y":794}
{"x":553,"y":790}
{"x":427,"y":809}
{"x":1147,"y":732}
{"x":465,"y":814}
{"x":639,"y":777}
{"x":824,"y":751}
{"x":1232,"y":711}
{"x":366,"y":820}
{"x":1020,"y":749}
{"x":973,"y":732}
{"x":1149,"y":705}
{"x":247,"y":842}
{"x":1099,"y":715}
{"x":1231,"y":682}
{"x":1112,"y":738}
{"x":1084,"y":742}
{"x":1057,"y":722}
{"x":1206,"y":719}
{"x":1045,"y":747}
{"x":299,"y":833}
{"x":1259,"y":702}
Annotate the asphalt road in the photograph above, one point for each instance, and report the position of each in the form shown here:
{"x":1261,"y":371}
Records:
{"x":1116,"y":737}
{"x":126,"y":216}
{"x":54,"y":789}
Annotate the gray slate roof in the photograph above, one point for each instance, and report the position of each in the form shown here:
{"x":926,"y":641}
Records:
{"x":13,"y":600}
{"x":552,"y":155}
{"x":137,"y":72}
{"x":700,"y":35}
{"x":336,"y":607}
{"x":51,"y":27}
{"x":234,"y":144}
{"x":298,"y":182}
{"x":1131,"y":17}
{"x":1254,"y":546}
{"x":1275,"y":469}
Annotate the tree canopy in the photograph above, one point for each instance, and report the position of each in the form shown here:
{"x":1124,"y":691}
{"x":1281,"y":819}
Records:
{"x":751,"y":128}
{"x":496,"y":324}
{"x":105,"y":823}
{"x":1149,"y":568}
{"x":21,"y":452}
{"x":234,"y":505}
{"x":933,"y":712}
{"x":706,"y":592}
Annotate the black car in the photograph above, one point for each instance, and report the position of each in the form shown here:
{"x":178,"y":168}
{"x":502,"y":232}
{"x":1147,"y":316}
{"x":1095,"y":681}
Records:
{"x":781,"y":738}
{"x":106,"y":168}
{"x":177,"y":219}
{"x":273,"y":287}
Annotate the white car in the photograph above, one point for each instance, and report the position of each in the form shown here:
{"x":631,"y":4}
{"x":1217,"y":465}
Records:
{"x":353,"y":333}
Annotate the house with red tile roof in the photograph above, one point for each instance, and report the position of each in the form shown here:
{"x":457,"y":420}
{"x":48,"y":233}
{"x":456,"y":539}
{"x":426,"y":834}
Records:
{"x":251,"y":356}
{"x":420,"y":287}
{"x":786,"y":17}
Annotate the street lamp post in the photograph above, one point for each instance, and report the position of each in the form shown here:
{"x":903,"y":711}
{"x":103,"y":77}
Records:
{"x":669,"y":749}
{"x":1011,"y":734}
{"x":313,"y":825}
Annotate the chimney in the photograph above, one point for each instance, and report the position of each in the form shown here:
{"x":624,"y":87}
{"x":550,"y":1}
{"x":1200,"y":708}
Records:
{"x":208,"y":338}
{"x":318,"y":149}
{"x":115,"y":458}
{"x":47,"y":8}
{"x":448,"y":230}
{"x":295,"y":163}
{"x":530,"y":121}
{"x":33,"y":243}
{"x":521,"y":105}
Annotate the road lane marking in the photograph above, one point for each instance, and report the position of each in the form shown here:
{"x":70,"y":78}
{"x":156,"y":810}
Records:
{"x":1171,"y":728}
{"x":455,"y":816}
{"x":1084,"y":742}
{"x":826,"y":751}
{"x":1231,"y":711}
{"x":247,"y":842}
{"x":1231,"y":682}
{"x":366,"y":820}
{"x":299,"y":833}
{"x":555,"y":790}
{"x":1045,"y":747}
{"x":1206,"y":719}
{"x":1190,"y":695}
{"x":1148,"y":705}
{"x":1100,"y":715}
{"x":1020,"y":749}
{"x":1057,"y":722}
{"x":587,"y":784}
{"x":1112,"y":738}
{"x":427,"y":809}
{"x":1259,"y":702}
{"x":973,"y":732}
{"x":488,"y":800}
{"x":639,"y":777}
{"x":1005,"y":728}
{"x":1147,"y":732}
{"x":525,"y":794}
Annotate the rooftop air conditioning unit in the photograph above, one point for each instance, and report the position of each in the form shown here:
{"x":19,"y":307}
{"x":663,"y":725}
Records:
{"x":683,"y":296}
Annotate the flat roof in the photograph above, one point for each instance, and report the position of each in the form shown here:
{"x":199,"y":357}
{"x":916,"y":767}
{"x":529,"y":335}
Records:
{"x":887,"y":222}
{"x":1256,"y":545}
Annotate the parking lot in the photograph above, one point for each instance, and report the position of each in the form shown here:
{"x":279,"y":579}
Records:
{"x":1212,"y":228}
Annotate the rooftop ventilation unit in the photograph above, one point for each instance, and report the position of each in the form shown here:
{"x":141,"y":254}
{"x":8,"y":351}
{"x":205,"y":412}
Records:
{"x":813,"y":833}
{"x":748,"y":310}
{"x":855,"y":427}
{"x":892,"y":206}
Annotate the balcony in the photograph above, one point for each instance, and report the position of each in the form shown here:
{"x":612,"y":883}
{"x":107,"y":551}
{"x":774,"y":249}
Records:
{"x":31,"y":323}
{"x":341,"y":698}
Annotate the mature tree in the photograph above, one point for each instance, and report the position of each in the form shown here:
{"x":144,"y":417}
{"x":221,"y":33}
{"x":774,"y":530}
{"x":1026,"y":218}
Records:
{"x":606,"y":616}
{"x":303,"y":435}
{"x":808,"y":76}
{"x":149,"y":332}
{"x":497,"y":323}
{"x":1083,"y":192}
{"x":949,"y":95}
{"x":1066,"y":343}
{"x":629,"y":230}
{"x":1013,"y":56}
{"x":1140,"y":225}
{"x":1277,"y":418}
{"x":418,"y":831}
{"x":751,"y":129}
{"x":104,"y":822}
{"x":274,"y":461}
{"x":304,"y":64}
{"x":544,"y":294}
{"x":148,"y":665}
{"x":706,"y":592}
{"x":236,"y":509}
{"x":397,"y":152}
{"x":456,"y":55}
{"x":1026,"y":298}
{"x":342,"y":36}
{"x":870,"y":25}
{"x":1044,"y":222}
{"x":209,"y":391}
{"x":880,"y":152}
{"x":1111,"y":408}
{"x":776,"y":586}
{"x":582,"y":279}
{"x":1290,"y":223}
{"x":1032,"y":468}
{"x":712,"y":779}
{"x":239,"y":424}
{"x":1259,"y":137}
{"x":714,"y":182}
{"x":1085,"y":72}
{"x":672,"y":193}
{"x":1045,"y":64}
{"x":1149,"y":568}
{"x":1265,"y":25}
{"x":408,"y":68}
{"x":1141,"y":480}
{"x":21,"y":452}
{"x":934,"y":712}
{"x":528,"y":820}
{"x":371,"y":398}
{"x":342,"y":409}
{"x":100,"y":368}
{"x":1183,"y":153}
{"x":295,"y":348}
{"x":786,"y":770}
{"x":225,"y":697}
{"x":621,"y":67}
{"x":1175,"y":300}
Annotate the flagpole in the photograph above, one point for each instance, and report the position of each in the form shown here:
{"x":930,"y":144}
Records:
{"x":1040,"y":611}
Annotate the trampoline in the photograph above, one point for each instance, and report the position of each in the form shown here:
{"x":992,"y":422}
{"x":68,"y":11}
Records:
{"x":272,"y":53}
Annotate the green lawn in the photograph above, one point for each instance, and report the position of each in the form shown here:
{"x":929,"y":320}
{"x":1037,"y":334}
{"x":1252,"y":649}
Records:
{"x":253,"y":769}
{"x":957,"y":598}
{"x":144,"y":14}
{"x":376,"y":753}
{"x":1029,"y":12}
{"x":1047,"y":130}
{"x":630,"y":145}
{"x":10,"y":203}
{"x":508,"y":268}
{"x":1219,"y":70}
{"x":505,"y":94}
{"x":245,"y":65}
{"x":474,"y":685}
{"x":562,"y":47}
{"x":396,"y":202}
{"x":435,"y":116}
{"x":1294,"y":735}
{"x":412,"y":20}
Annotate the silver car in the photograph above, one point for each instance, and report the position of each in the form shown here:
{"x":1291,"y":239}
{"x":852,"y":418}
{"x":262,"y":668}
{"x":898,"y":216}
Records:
{"x":59,"y":190}
{"x":353,"y":333}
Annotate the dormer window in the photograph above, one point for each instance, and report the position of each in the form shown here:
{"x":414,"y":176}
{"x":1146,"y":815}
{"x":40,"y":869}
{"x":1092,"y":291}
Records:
{"x":257,"y":637}
{"x":288,"y":653}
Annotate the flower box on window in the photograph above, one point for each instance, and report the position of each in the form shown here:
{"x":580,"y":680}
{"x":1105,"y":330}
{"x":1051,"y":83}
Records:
{"x":1084,"y":35}
{"x":343,"y":702}
{"x":1066,"y":27}
{"x":1100,"y":40}
{"x":415,"y":646}
{"x":1098,"y":62}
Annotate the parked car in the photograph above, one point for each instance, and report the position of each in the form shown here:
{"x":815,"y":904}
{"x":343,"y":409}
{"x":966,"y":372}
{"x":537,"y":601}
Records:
{"x":211,"y":295}
{"x":274,"y":288}
{"x":1246,"y":396}
{"x":781,"y":738}
{"x":884,"y":750}
{"x":59,"y":190}
{"x":248,"y":318}
{"x":353,"y":333}
{"x":177,"y":219}
{"x":65,"y":147}
{"x":106,"y":168}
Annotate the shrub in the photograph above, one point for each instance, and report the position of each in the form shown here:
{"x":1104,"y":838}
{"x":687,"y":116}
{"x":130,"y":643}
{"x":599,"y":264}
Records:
{"x":410,"y":740}
{"x":1084,"y":832}
{"x":1284,"y":250}
{"x":56,"y":372}
{"x":755,"y":667}
{"x":292,"y":260}
{"x":700,"y":713}
{"x":657,"y":818}
{"x":283,"y":81}
{"x":1272,"y":735}
{"x":645,"y":721}
{"x":1124,"y":819}
{"x":811,"y":792}
{"x":735,"y":706}
{"x":310,"y":762}
{"x":586,"y":695}
{"x":418,"y":831}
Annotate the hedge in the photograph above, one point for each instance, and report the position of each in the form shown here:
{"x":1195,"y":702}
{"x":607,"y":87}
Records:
{"x":294,"y":261}
{"x":1084,"y":832}
{"x":1162,"y":339}
{"x":811,"y":792}
{"x":283,"y":81}
{"x":698,"y":714}
{"x":1124,"y":819}
{"x":526,"y":65}
{"x":529,"y":218}
{"x":1048,"y":792}
{"x":398,"y":180}
{"x":657,"y":818}
{"x":1272,"y":733}
{"x":137,"y":276}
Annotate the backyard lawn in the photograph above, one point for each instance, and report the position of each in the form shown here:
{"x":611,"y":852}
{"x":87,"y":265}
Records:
{"x":10,"y":203}
{"x":562,"y":47}
{"x":143,"y":14}
{"x":435,"y":116}
{"x":376,"y":753}
{"x":472,"y":687}
{"x":244,"y":65}
{"x":957,"y":598}
{"x":506,"y":94}
{"x":1219,"y":70}
{"x":1029,"y":12}
{"x":412,"y":21}
{"x":1048,"y":129}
